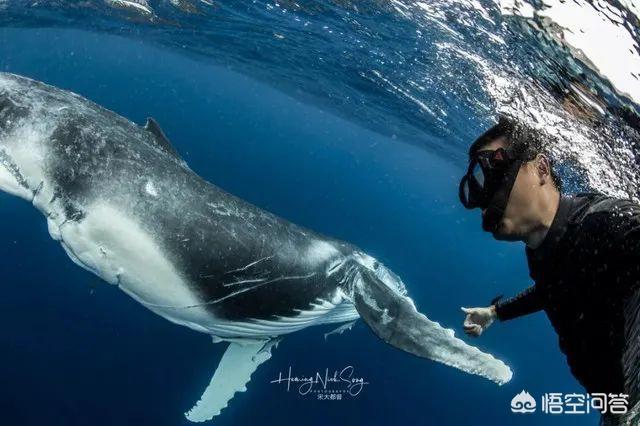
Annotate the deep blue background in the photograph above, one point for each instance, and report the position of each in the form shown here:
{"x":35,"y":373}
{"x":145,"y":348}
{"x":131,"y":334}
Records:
{"x":74,"y":350}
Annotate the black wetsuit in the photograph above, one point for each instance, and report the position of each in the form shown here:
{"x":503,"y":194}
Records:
{"x":587,"y":280}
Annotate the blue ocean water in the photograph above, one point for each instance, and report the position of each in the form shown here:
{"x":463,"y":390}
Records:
{"x":77,"y":351}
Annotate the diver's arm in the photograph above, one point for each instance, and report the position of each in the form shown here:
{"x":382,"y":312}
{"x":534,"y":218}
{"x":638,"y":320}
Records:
{"x":526,"y":302}
{"x":478,"y":320}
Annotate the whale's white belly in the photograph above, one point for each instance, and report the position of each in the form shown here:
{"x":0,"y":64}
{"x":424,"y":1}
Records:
{"x":113,"y":246}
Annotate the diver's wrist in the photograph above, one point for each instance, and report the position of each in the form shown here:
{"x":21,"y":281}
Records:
{"x":494,"y":313}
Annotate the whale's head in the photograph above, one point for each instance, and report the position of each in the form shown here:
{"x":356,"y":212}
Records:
{"x":27,"y":107}
{"x":12,"y":110}
{"x":25,"y":127}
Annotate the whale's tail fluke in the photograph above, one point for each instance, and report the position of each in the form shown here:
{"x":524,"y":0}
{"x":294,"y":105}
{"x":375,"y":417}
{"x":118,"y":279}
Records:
{"x":393,"y":317}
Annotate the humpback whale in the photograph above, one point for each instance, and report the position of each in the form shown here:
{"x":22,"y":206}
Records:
{"x":125,"y":206}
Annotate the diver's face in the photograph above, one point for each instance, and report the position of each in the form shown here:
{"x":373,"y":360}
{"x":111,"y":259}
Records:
{"x":514,"y":223}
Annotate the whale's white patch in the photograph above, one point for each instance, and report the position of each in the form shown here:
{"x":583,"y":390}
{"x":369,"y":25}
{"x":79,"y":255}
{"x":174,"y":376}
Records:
{"x":23,"y":153}
{"x":112,"y":245}
{"x":320,"y":251}
{"x":26,"y":148}
{"x":151,"y":189}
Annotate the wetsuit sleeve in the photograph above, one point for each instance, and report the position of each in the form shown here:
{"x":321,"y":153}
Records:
{"x":527,"y":302}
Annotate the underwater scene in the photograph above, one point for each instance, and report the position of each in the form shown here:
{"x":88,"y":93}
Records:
{"x":272,"y":211}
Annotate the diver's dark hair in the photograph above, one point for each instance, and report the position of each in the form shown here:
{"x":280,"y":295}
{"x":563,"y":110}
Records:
{"x":524,"y":141}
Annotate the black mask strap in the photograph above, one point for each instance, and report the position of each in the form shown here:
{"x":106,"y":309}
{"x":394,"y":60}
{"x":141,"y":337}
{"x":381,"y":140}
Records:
{"x":500,"y":198}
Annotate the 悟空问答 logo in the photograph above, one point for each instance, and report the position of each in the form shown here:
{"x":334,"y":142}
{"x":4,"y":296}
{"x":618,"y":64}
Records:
{"x":523,"y":403}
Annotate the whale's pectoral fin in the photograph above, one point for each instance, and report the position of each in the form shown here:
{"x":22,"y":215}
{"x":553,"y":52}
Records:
{"x":232,"y":375}
{"x":393,"y":317}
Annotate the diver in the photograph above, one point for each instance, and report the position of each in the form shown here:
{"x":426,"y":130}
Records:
{"x":583,"y":253}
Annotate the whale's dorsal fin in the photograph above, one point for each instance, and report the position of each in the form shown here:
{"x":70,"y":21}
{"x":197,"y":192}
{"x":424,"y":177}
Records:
{"x":160,"y":138}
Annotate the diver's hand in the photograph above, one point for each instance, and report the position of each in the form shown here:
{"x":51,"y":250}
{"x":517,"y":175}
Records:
{"x":478,"y":319}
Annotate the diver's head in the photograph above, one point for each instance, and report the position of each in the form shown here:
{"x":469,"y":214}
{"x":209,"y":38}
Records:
{"x":511,"y":179}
